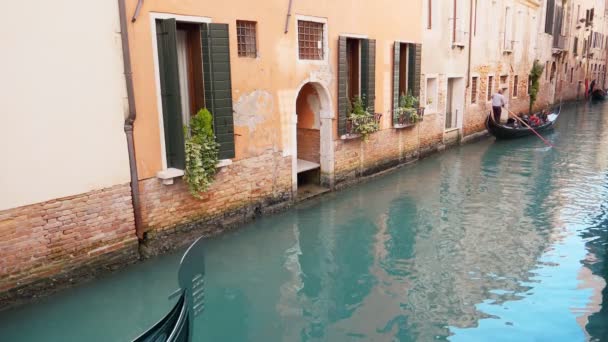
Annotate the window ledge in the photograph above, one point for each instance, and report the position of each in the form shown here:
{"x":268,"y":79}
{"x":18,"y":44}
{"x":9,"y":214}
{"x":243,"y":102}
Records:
{"x":224,"y":163}
{"x":402,"y":126}
{"x":350,"y":136}
{"x":459,"y":45}
{"x":507,"y":51}
{"x":168,"y":176}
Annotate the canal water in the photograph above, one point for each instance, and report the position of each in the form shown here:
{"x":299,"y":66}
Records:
{"x":493,"y":241}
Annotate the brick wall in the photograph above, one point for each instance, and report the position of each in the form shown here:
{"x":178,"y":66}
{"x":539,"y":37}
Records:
{"x":385,"y":149}
{"x":55,"y":237}
{"x":309,"y":144}
{"x":240,"y":191}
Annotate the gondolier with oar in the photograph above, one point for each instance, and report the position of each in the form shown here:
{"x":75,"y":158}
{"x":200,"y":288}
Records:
{"x":498,"y":103}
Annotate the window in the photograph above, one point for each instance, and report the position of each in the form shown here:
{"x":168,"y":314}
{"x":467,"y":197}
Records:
{"x":407,"y":77}
{"x":474,"y":90}
{"x":575,"y":48}
{"x":310,"y":40}
{"x":504,"y":83}
{"x":246,"y":38}
{"x":356,"y":76}
{"x":549,"y":16}
{"x":508,"y":38}
{"x":490,"y":81}
{"x":571,"y":75}
{"x":515,"y":86}
{"x":353,"y":61}
{"x":190,"y":59}
{"x":430,"y":15}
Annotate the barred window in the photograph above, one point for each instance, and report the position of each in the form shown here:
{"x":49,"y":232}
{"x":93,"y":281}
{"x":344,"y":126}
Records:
{"x":490,"y":81}
{"x":246,"y":38}
{"x":310,"y":40}
{"x":474,"y":90}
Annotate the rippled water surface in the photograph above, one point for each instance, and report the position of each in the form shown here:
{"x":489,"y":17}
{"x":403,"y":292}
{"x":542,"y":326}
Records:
{"x":494,"y":241}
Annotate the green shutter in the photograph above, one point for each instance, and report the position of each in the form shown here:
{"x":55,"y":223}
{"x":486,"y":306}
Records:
{"x":218,"y":85}
{"x":169,"y":84}
{"x":396,"y":63}
{"x":368,"y":73}
{"x":414,"y":68}
{"x":342,"y":79}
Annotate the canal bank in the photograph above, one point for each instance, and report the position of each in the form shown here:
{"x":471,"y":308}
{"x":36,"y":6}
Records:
{"x":178,"y":236}
{"x":488,"y":239}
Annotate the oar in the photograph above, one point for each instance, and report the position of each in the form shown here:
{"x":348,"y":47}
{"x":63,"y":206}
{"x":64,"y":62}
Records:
{"x":532,"y":129}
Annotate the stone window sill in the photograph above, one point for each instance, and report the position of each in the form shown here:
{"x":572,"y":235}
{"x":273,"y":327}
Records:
{"x":350,"y":136}
{"x":168,"y":176}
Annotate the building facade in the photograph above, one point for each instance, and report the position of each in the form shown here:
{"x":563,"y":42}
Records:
{"x":280,"y":80}
{"x":279,"y":88}
{"x":65,"y":199}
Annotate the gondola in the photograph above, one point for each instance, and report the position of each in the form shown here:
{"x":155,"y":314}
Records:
{"x":177,"y":325}
{"x":501,"y":131}
{"x":598,"y":95}
{"x":173,"y":327}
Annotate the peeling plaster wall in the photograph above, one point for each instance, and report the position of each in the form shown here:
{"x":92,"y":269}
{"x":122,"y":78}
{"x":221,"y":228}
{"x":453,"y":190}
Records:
{"x":267,"y":85}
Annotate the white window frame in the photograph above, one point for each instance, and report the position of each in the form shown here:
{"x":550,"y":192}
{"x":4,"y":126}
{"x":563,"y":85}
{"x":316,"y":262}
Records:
{"x":167,"y":174}
{"x":320,"y":20}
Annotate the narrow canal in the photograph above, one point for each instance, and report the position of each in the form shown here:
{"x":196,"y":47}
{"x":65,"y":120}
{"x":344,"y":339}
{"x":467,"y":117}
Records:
{"x":500,"y":241}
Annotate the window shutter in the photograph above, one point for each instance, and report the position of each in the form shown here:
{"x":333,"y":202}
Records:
{"x":396,"y":63}
{"x":414,"y":68}
{"x":342,"y":79}
{"x":549,"y":18}
{"x":368,"y":73}
{"x":170,"y":93}
{"x":218,"y":85}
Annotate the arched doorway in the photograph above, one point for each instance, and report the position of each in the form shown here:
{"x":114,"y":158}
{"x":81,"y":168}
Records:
{"x":312,"y":140}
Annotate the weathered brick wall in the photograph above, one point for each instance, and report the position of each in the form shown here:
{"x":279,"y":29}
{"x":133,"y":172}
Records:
{"x":385,"y":149}
{"x":309,"y":144}
{"x":239,"y":191}
{"x":55,"y":237}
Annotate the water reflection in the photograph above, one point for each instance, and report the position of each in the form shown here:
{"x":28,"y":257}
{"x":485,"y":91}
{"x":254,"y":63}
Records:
{"x":491,"y":241}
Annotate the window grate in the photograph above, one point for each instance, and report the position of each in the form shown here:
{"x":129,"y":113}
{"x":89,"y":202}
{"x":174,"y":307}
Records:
{"x":246,"y":38}
{"x":310,"y":40}
{"x":490,"y":81}
{"x":474,"y":90}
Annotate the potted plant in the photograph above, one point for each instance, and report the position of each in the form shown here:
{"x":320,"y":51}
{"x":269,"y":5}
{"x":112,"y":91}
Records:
{"x":408,"y":111}
{"x":361,"y":120}
{"x":201,"y":153}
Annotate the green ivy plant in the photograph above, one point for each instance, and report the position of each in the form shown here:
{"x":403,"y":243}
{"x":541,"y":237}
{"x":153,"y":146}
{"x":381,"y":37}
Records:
{"x":201,"y":153}
{"x":535,"y":74}
{"x":408,"y":107}
{"x":363,"y":122}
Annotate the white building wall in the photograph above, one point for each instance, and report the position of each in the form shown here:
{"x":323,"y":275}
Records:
{"x":62,"y":100}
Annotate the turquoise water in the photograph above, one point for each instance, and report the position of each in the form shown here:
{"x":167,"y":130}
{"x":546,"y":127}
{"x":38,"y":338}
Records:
{"x":494,"y":241}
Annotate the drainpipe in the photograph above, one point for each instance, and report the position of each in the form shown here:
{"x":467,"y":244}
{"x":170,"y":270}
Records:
{"x":128,"y":127}
{"x":470,"y":42}
{"x":288,"y":16}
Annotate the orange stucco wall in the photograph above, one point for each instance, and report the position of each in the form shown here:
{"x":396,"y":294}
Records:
{"x":264,"y":89}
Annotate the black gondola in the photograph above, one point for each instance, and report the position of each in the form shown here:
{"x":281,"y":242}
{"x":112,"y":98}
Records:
{"x":177,"y":325}
{"x":598,"y":95}
{"x":174,"y":327}
{"x":501,"y":131}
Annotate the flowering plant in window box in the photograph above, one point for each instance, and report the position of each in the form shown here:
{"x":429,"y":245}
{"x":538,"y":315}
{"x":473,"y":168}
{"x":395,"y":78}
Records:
{"x":409,"y":111}
{"x":360,"y":120}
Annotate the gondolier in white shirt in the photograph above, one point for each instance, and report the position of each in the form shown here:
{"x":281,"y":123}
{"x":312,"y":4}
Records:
{"x":498,"y":103}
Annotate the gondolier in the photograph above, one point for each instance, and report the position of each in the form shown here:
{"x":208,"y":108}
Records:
{"x":498,"y":102}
